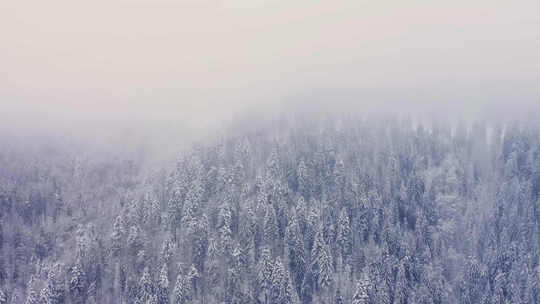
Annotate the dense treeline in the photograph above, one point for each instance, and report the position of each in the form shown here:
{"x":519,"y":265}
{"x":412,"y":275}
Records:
{"x":326,"y":210}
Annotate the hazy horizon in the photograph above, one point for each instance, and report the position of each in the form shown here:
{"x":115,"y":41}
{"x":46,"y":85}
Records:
{"x":140,"y":63}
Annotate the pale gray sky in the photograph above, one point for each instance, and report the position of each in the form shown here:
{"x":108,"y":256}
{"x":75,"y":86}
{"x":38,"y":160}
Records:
{"x":64,"y":62}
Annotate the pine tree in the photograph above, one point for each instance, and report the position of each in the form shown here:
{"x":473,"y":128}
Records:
{"x":277,"y":279}
{"x":189,"y":218}
{"x":306,"y":290}
{"x":179,"y":184}
{"x":313,"y":226}
{"x":301,"y":213}
{"x":182,"y":290}
{"x":192,"y":277}
{"x":344,"y":233}
{"x":118,"y":236}
{"x":118,"y":282}
{"x":193,"y":272}
{"x":163,"y":286}
{"x":53,"y":292}
{"x":146,"y":287}
{"x":46,"y":296}
{"x":77,"y":284}
{"x":288,"y":293}
{"x":295,"y":250}
{"x":3,"y":297}
{"x":153,"y":210}
{"x":225,"y":232}
{"x":317,"y":250}
{"x":232,"y":287}
{"x":152,"y":300}
{"x":303,"y":179}
{"x":325,"y":275}
{"x":272,"y":164}
{"x":199,"y":242}
{"x":339,"y":177}
{"x":213,"y":274}
{"x":401,"y":290}
{"x":264,"y":274}
{"x":31,"y":296}
{"x":318,"y":257}
{"x":166,"y":251}
{"x":338,"y":298}
{"x":270,"y":226}
{"x":135,"y":240}
{"x":238,"y":173}
{"x":179,"y":292}
{"x":282,"y":291}
{"x":82,"y":241}
{"x":361,"y":293}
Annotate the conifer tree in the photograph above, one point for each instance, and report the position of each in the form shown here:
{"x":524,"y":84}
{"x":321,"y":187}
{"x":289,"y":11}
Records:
{"x":325,"y":267}
{"x":77,"y":284}
{"x":344,"y":233}
{"x":302,"y":179}
{"x":146,"y":287}
{"x":118,"y":236}
{"x":401,"y":290}
{"x":53,"y":291}
{"x":265,"y":269}
{"x":3,"y":297}
{"x":361,"y":293}
{"x":295,"y":250}
{"x":135,"y":240}
{"x":167,"y":251}
{"x":225,"y":232}
{"x":338,"y":298}
{"x":277,"y":281}
{"x":31,"y":296}
{"x":270,"y":226}
{"x":182,"y":290}
{"x":163,"y":286}
{"x":288,"y":293}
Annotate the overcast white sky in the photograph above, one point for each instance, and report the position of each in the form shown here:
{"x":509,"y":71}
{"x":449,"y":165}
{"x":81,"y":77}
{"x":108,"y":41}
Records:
{"x":66,"y":61}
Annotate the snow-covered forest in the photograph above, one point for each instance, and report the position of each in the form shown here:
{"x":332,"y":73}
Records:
{"x":329,"y":209}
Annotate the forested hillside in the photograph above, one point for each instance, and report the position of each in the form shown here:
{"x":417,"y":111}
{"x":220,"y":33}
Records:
{"x":333,"y":209}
